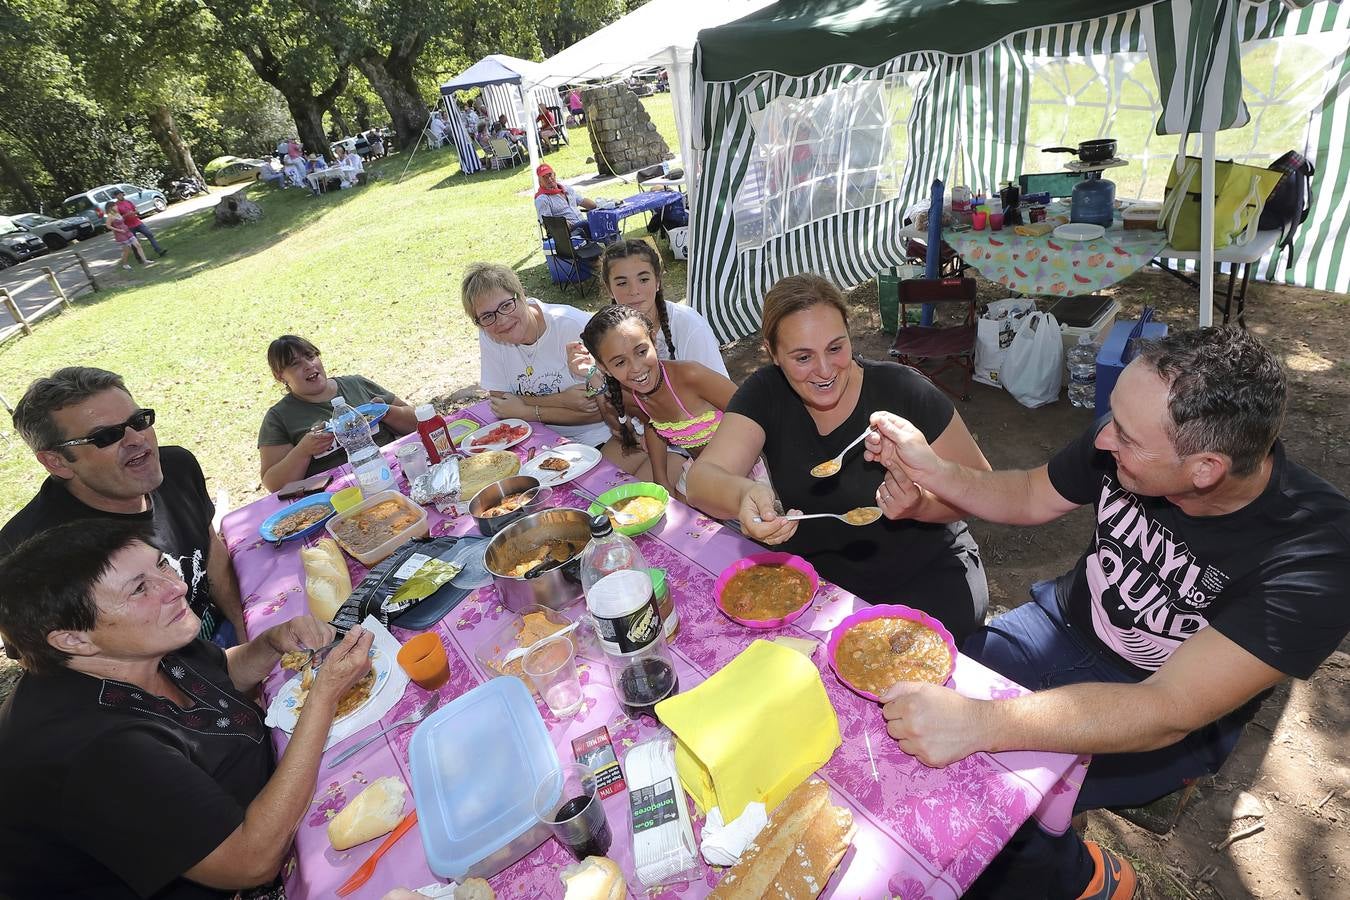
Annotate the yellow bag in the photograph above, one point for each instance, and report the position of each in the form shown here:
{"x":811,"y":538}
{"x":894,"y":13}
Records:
{"x":1240,"y":194}
{"x":753,"y":731}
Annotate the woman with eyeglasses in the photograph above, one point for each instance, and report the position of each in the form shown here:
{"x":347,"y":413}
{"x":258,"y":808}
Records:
{"x":292,"y":441}
{"x":523,"y":353}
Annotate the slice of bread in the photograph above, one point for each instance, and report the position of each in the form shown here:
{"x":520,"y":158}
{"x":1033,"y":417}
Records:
{"x":474,"y":889}
{"x":795,"y":854}
{"x":594,"y":878}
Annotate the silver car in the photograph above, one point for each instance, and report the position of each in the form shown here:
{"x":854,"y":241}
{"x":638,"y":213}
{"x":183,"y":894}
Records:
{"x":55,"y":233}
{"x":89,"y":204}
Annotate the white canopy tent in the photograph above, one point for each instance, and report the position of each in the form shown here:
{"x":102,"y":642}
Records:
{"x":659,"y":33}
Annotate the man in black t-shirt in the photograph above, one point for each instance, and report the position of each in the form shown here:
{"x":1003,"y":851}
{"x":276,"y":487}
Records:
{"x":1217,"y":569}
{"x":103,"y":460}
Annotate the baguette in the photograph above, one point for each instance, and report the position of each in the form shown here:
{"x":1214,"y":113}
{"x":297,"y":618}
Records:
{"x":796,"y":853}
{"x":474,"y":889}
{"x":594,"y":878}
{"x":375,"y":811}
{"x":328,"y":583}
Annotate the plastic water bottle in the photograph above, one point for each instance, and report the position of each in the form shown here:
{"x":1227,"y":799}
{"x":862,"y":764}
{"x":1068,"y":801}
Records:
{"x":353,"y":433}
{"x":1082,"y":362}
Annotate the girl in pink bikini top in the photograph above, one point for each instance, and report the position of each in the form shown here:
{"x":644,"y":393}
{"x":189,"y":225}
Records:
{"x":680,"y":403}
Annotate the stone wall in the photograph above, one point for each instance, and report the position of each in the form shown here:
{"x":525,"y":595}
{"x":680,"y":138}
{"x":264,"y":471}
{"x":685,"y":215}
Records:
{"x":623,"y":138}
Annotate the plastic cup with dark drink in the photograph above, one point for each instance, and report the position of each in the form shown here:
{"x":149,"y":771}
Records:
{"x":566,"y":801}
{"x":645,"y":682}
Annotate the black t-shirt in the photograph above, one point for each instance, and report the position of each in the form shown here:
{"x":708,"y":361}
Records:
{"x":112,"y":792}
{"x":1271,"y":577}
{"x":180,"y":509}
{"x":872,"y":561}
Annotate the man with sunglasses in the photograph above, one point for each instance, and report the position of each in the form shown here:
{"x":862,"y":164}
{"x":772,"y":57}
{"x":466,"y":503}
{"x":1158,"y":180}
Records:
{"x":104,"y":461}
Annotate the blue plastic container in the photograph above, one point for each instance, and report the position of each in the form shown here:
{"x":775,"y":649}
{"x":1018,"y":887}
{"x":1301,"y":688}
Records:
{"x":475,"y":765}
{"x":1093,"y":202}
{"x":1109,"y":362}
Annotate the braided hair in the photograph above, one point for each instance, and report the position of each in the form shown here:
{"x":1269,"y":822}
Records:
{"x":601,"y":324}
{"x":624,"y":249}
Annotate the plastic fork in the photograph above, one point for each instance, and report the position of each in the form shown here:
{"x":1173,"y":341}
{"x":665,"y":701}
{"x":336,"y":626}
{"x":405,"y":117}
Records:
{"x":362,"y":875}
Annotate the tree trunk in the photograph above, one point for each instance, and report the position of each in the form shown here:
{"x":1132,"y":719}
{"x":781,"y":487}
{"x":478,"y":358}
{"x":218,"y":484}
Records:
{"x":12,"y":174}
{"x":176,"y":150}
{"x":400,"y":96}
{"x":362,"y":112}
{"x":308,"y":116}
{"x":343,"y":129}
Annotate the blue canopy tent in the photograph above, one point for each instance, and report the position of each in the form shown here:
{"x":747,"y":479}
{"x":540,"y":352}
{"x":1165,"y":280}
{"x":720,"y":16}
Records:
{"x":494,"y":69}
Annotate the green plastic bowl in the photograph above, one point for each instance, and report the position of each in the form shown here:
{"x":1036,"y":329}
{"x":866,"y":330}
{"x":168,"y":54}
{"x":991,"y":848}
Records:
{"x":623,"y":492}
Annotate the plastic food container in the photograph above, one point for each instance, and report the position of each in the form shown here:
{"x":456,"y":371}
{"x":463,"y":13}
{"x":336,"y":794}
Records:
{"x":767,"y":559}
{"x":623,"y":492}
{"x":475,"y":766}
{"x":884,"y":611}
{"x":372,"y":556}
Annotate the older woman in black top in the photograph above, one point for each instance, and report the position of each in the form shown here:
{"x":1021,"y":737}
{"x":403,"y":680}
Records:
{"x":132,"y":761}
{"x":803,"y":409}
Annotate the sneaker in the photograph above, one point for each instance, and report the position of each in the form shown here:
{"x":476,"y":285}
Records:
{"x":163,"y":253}
{"x":127,"y":266}
{"x":1113,"y":877}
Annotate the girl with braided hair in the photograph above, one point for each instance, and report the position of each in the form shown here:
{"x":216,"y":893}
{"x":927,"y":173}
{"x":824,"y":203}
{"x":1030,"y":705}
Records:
{"x":679,"y":402}
{"x":631,"y":272}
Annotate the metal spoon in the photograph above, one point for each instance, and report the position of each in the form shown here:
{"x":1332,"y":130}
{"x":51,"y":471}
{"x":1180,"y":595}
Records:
{"x":832,"y":466}
{"x":861,"y":515}
{"x":621,"y":518}
{"x":411,"y":719}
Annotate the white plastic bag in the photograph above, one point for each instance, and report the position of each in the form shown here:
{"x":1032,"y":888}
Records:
{"x":994,"y":333}
{"x":1033,"y":370}
{"x":679,"y":241}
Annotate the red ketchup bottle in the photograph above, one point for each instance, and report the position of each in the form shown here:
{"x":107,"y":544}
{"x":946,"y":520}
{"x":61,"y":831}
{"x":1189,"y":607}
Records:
{"x":435,"y":438}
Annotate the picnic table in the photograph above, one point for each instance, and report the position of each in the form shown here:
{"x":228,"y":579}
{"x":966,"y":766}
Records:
{"x":1050,"y":266}
{"x":921,"y":832}
{"x":331,"y":173}
{"x":604,"y":223}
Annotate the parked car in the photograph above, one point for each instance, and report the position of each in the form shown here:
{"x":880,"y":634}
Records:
{"x":89,"y":204}
{"x":17,"y":244}
{"x":239,"y":170}
{"x":55,"y":233}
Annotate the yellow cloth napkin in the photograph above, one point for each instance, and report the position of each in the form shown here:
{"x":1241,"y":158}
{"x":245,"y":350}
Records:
{"x":753,"y":731}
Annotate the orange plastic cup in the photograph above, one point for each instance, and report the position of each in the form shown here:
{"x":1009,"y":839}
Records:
{"x":423,"y":658}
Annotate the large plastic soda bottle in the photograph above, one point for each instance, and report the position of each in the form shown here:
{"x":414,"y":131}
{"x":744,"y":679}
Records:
{"x":1082,"y":362}
{"x":353,"y":433}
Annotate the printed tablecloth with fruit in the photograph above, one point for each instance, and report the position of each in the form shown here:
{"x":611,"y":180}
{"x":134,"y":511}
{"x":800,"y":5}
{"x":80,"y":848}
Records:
{"x":1047,"y":265}
{"x":923,"y":833}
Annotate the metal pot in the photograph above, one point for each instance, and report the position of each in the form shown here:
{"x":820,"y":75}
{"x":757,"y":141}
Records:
{"x":555,"y":588}
{"x":491,"y":495}
{"x":1096,"y":151}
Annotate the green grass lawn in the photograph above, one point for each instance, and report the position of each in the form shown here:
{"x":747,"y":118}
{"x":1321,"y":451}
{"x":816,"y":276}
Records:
{"x":370,"y":275}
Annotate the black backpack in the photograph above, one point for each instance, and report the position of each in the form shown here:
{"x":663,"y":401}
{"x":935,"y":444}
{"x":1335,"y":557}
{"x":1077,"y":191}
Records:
{"x":1287,"y":206}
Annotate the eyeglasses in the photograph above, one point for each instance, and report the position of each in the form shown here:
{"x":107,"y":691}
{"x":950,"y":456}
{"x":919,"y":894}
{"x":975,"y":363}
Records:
{"x":108,"y":435}
{"x":505,"y":308}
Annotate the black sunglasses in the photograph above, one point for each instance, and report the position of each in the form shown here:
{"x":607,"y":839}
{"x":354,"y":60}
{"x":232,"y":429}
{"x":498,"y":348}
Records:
{"x":108,"y":435}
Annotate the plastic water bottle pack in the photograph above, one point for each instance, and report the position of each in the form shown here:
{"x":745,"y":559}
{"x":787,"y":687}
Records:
{"x":1082,"y":364}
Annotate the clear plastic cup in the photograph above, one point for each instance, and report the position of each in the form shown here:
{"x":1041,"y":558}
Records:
{"x":568,"y":803}
{"x":412,"y":459}
{"x":551,"y":666}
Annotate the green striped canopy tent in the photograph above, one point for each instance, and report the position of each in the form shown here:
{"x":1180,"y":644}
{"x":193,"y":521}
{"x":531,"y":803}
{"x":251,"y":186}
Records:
{"x":969,"y":65}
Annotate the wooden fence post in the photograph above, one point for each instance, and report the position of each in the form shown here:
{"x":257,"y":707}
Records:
{"x":84,"y":265}
{"x":56,"y":286}
{"x":15,"y":311}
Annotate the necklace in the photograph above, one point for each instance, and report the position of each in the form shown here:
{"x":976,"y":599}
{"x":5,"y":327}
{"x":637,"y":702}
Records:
{"x":660,"y":382}
{"x":528,"y":351}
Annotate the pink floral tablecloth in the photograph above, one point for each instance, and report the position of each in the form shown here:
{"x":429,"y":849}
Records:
{"x":922,"y":833}
{"x":1047,"y":265}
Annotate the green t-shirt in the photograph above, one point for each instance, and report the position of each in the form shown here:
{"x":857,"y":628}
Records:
{"x":290,"y":418}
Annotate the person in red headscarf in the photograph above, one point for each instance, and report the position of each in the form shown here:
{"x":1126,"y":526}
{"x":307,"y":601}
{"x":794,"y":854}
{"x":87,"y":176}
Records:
{"x":556,"y":199}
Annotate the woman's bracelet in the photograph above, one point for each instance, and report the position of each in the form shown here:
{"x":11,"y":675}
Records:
{"x":538,"y":417}
{"x":590,"y":391}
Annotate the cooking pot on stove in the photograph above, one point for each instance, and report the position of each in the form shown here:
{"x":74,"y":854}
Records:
{"x":1095,"y":151}
{"x":555,"y":586}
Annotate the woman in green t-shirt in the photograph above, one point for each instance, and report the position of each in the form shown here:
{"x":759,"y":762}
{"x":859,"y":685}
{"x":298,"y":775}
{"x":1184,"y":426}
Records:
{"x":292,"y":441}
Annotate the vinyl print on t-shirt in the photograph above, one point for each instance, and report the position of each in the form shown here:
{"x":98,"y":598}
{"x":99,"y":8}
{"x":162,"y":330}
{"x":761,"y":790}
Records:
{"x":532,"y":383}
{"x":1148,"y":591}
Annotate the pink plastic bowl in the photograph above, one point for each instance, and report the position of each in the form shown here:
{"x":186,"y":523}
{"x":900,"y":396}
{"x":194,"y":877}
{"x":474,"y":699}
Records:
{"x":884,"y":611}
{"x":767,"y":559}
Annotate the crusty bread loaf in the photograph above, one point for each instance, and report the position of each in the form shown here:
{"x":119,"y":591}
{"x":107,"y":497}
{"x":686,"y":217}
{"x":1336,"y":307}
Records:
{"x":377,"y":810}
{"x":328,"y":583}
{"x":594,"y":878}
{"x":474,"y":889}
{"x":796,"y":852}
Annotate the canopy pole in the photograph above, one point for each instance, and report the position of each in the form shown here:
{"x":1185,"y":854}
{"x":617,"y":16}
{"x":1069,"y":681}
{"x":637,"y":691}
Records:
{"x":531,"y":134}
{"x":1206,"y":229}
